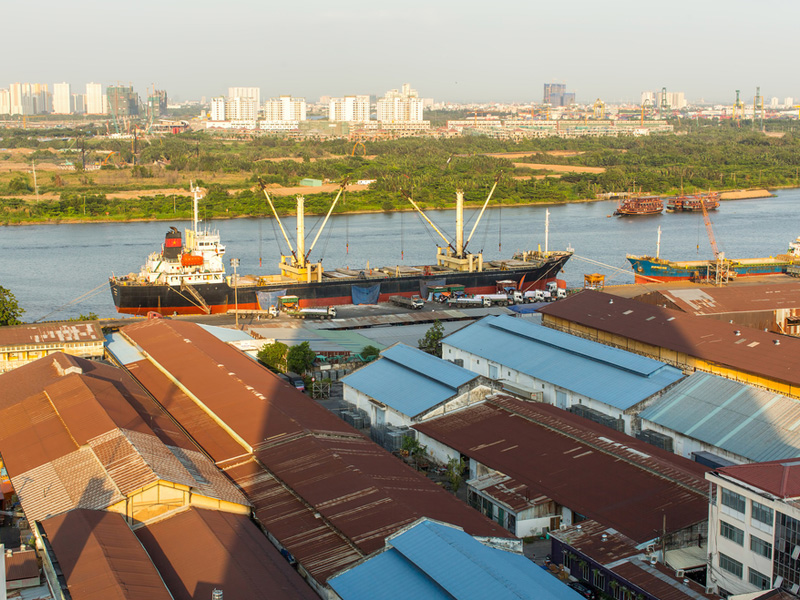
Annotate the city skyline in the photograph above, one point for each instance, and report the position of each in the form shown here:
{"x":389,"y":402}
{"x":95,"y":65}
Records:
{"x":457,"y":52}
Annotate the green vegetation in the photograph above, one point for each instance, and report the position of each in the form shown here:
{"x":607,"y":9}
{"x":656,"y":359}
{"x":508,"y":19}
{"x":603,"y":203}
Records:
{"x":300,"y":358}
{"x":10,"y":311}
{"x":455,"y":473}
{"x":704,"y":156}
{"x":274,"y":356}
{"x":432,"y":342}
{"x":369,"y":353}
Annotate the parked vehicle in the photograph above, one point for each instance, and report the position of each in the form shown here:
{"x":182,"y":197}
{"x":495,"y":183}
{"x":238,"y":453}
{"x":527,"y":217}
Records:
{"x":475,"y":302}
{"x":581,"y":589}
{"x":294,"y":380}
{"x":414,"y":302}
{"x":327,"y":312}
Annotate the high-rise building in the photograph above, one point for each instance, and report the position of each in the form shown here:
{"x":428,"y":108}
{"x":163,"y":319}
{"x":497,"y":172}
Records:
{"x":788,"y":102}
{"x":246,"y":92}
{"x":79,"y":104}
{"x":5,"y":102}
{"x":349,"y":109}
{"x":674,"y":100}
{"x":62,"y":99}
{"x":122,"y":101}
{"x":15,"y":98}
{"x":555,"y":94}
{"x":285,"y":108}
{"x":217,"y":109}
{"x":95,"y":103}
{"x":400,"y":106}
{"x":241,"y":108}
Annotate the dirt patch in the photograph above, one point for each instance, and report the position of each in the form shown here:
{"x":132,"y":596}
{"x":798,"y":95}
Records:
{"x":529,"y":177}
{"x":559,"y":168}
{"x":744,"y":194}
{"x":512,"y":155}
{"x":6,"y":166}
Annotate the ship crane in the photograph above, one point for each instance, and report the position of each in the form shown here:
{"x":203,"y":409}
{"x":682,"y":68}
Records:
{"x":454,"y":255}
{"x":721,"y":274}
{"x":297,"y":266}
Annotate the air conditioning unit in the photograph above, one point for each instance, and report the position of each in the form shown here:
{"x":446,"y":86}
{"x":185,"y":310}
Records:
{"x":795,"y":588}
{"x":679,"y":573}
{"x":709,"y":590}
{"x":778,"y":581}
{"x":650,"y":548}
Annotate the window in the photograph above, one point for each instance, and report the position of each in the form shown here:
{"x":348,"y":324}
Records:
{"x":759,"y":580}
{"x":492,"y":371}
{"x":734,"y":534}
{"x":733,"y":567}
{"x":584,"y":571}
{"x":598,"y":579}
{"x":762,"y":513}
{"x":733,"y":500}
{"x":760,"y":547}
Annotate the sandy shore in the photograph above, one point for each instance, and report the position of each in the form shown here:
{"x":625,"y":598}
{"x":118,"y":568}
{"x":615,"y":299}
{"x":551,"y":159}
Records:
{"x":745,"y":194}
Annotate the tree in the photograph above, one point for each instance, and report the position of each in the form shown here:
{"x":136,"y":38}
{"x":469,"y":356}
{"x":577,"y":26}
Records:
{"x":432,"y":342}
{"x":274,"y":355}
{"x":369,"y":353}
{"x":300,"y":358}
{"x":455,"y":473}
{"x":10,"y":311}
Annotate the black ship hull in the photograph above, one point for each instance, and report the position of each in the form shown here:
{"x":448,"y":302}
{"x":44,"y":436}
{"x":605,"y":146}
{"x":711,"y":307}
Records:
{"x":138,"y":298}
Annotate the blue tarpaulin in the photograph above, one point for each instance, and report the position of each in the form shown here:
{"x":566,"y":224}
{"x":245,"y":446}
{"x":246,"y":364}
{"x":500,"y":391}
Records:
{"x":267,"y":299}
{"x":367,"y":294}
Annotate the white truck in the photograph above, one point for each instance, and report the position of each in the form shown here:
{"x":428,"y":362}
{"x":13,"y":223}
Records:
{"x":497,"y":299}
{"x":533,"y":296}
{"x":475,"y":302}
{"x":327,"y":312}
{"x":556,"y":293}
{"x":414,"y":302}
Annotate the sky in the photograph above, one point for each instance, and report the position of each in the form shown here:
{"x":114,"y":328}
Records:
{"x":465,"y":51}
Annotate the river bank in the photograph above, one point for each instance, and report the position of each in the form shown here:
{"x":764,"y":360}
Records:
{"x":728,"y":195}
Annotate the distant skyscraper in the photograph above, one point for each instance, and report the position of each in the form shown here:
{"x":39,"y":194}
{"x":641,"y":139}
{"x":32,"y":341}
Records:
{"x":554,"y":93}
{"x":95,"y":103}
{"x":62,"y":99}
{"x":5,"y":102}
{"x":788,"y":102}
{"x":122,"y":100}
{"x":401,"y":106}
{"x":246,"y":92}
{"x":15,"y":98}
{"x":773,"y":103}
{"x":285,"y":108}
{"x":217,"y":109}
{"x":79,"y":104}
{"x":349,"y":109}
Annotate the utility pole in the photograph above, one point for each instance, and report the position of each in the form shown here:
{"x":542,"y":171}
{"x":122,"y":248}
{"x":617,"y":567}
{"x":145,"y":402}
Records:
{"x":235,"y":265}
{"x":35,"y":186}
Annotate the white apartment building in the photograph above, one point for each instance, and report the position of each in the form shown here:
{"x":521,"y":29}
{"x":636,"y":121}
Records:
{"x":5,"y":102}
{"x":62,"y":99}
{"x":285,"y":108}
{"x":217,"y":112}
{"x":95,"y":99}
{"x":241,"y":108}
{"x":245,"y":92}
{"x":79,"y":104}
{"x":754,"y":527}
{"x":788,"y":102}
{"x":399,"y":106}
{"x":349,"y":109}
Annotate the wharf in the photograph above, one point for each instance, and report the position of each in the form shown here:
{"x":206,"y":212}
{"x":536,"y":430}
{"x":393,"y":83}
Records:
{"x":637,"y":289}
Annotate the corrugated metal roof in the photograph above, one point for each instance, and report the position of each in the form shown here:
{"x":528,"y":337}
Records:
{"x":101,"y":558}
{"x":409,"y":380}
{"x":408,"y":334}
{"x":325,"y":492}
{"x":615,"y":377}
{"x":715,"y":300}
{"x":439,"y":561}
{"x":750,"y":350}
{"x":50,"y":334}
{"x":780,"y":478}
{"x":320,"y":340}
{"x":755,"y":424}
{"x":580,"y":464}
{"x":198,"y":551}
{"x":21,"y":565}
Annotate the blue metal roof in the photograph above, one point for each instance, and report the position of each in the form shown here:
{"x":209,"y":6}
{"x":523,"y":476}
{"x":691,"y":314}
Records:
{"x":610,"y":375}
{"x":125,"y":352}
{"x":440,"y":561}
{"x":409,"y":380}
{"x":756,"y":424}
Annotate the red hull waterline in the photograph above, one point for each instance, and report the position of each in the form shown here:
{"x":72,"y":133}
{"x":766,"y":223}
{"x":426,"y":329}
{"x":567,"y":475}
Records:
{"x":652,"y":278}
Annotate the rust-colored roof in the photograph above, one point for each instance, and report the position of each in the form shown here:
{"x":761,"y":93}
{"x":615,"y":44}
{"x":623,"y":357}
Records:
{"x":328,"y":494}
{"x":750,"y":351}
{"x":199,"y":550}
{"x":101,"y":558}
{"x":219,"y":445}
{"x":660,"y":582}
{"x":21,"y":565}
{"x":50,"y":334}
{"x":514,"y":494}
{"x":67,"y":443}
{"x":228,"y":380}
{"x":587,"y":538}
{"x":780,"y":478}
{"x":731,"y":299}
{"x":600,"y":473}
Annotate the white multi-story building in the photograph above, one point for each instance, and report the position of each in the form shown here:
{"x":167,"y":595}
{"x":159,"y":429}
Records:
{"x":15,"y":95}
{"x":349,"y":109}
{"x":674,"y":100}
{"x":5,"y":102}
{"x":62,"y":99}
{"x":217,"y":112}
{"x":400,"y":106}
{"x":285,"y":108}
{"x":649,"y":98}
{"x":96,"y":101}
{"x":79,"y":104}
{"x":245,"y":92}
{"x":754,"y":527}
{"x":788,"y":102}
{"x":241,"y":108}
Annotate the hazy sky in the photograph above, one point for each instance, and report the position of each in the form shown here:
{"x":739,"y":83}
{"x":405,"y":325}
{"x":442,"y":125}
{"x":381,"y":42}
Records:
{"x":465,"y":51}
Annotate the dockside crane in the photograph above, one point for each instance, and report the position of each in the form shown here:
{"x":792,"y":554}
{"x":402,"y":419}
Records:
{"x":721,"y":274}
{"x":738,"y":110}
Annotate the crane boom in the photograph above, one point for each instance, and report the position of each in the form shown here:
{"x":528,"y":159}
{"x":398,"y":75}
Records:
{"x":485,"y":204}
{"x":709,"y":229}
{"x":277,"y":218}
{"x":424,"y":216}
{"x":327,"y":216}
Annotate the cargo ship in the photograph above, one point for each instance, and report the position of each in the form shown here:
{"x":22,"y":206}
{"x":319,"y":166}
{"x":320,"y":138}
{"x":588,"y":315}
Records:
{"x":188,"y":276}
{"x":693,"y":203}
{"x":648,"y":269}
{"x":639,"y":205}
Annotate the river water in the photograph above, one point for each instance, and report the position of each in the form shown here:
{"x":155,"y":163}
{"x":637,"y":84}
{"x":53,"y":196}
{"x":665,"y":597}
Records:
{"x":49,"y":267}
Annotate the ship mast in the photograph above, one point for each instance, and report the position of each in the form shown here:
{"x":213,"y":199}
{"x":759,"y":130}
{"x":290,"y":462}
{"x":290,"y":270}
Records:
{"x":301,"y":231}
{"x":195,"y":199}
